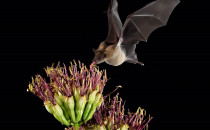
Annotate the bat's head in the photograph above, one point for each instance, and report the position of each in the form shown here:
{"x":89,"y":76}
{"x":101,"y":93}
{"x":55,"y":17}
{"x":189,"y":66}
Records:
{"x":100,"y":56}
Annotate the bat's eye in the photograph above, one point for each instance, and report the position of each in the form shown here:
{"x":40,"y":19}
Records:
{"x":104,"y":55}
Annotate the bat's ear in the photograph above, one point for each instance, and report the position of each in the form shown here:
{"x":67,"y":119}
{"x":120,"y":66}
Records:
{"x":94,"y":50}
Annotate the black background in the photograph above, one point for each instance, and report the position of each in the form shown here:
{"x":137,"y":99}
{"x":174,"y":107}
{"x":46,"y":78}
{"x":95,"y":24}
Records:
{"x":173,"y":86}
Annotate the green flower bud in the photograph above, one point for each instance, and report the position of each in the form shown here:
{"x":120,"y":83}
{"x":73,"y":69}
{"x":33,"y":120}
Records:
{"x":60,"y":100}
{"x":80,"y":105}
{"x":76,"y":92}
{"x":90,"y":101}
{"x":71,"y":112}
{"x":96,"y":103}
{"x":57,"y":111}
{"x":49,"y":107}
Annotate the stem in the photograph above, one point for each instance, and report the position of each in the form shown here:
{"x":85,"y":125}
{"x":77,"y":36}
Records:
{"x":76,"y":126}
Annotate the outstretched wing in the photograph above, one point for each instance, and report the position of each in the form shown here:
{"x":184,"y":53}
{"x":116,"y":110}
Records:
{"x":114,"y":23}
{"x":139,"y":25}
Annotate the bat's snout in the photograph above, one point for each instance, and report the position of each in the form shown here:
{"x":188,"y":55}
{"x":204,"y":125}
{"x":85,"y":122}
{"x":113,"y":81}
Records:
{"x":95,"y":61}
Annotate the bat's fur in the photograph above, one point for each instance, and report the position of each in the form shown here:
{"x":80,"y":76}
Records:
{"x":118,"y":56}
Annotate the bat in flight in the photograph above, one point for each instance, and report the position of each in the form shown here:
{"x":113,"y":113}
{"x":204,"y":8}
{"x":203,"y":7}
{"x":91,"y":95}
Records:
{"x":120,"y":44}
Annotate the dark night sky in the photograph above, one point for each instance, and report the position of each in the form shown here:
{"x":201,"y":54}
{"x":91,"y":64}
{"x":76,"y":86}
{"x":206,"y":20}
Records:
{"x":173,"y":86}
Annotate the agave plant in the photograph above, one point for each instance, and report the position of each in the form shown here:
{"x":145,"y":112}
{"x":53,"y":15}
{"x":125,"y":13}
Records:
{"x":71,"y":96}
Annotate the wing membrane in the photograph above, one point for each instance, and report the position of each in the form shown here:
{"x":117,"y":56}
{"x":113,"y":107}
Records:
{"x":114,"y":22}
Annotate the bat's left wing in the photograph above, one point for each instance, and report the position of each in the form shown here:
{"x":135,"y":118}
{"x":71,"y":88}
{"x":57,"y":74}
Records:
{"x":139,"y":25}
{"x":114,"y":23}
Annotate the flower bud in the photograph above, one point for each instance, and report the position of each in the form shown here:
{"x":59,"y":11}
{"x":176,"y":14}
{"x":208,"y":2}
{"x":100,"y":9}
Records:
{"x":98,"y":100}
{"x":91,"y":99}
{"x":60,"y":100}
{"x":57,"y":111}
{"x":49,"y":107}
{"x":80,"y":105}
{"x":71,"y":111}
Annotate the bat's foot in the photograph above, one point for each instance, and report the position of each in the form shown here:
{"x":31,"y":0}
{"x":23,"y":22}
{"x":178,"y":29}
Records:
{"x":141,"y":63}
{"x":135,"y":62}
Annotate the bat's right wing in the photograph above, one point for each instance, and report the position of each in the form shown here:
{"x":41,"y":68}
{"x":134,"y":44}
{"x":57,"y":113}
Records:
{"x":139,"y":25}
{"x":114,"y":23}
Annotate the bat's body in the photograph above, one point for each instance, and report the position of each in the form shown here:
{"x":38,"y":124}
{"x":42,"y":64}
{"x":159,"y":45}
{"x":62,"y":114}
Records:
{"x":118,"y":56}
{"x":120,"y":44}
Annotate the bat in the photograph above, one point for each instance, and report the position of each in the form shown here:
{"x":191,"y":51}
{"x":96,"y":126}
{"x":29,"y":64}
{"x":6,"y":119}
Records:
{"x":120,"y":43}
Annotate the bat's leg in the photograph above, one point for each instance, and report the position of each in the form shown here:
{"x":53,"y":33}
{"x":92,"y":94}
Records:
{"x":135,"y":62}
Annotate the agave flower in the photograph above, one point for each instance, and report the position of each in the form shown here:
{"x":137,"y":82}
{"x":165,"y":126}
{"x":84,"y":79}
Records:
{"x":71,"y":97}
{"x":111,"y":116}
